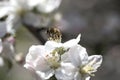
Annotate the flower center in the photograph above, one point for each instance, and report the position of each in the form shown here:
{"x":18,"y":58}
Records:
{"x":87,"y":69}
{"x":59,"y":50}
{"x":54,"y":58}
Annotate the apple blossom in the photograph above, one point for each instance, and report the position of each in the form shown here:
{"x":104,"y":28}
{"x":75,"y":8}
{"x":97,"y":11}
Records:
{"x":84,"y":65}
{"x":46,"y":59}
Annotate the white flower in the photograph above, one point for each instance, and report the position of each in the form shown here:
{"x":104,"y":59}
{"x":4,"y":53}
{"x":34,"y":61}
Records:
{"x":43,"y":61}
{"x":46,"y":59}
{"x":47,"y":6}
{"x":85,"y":65}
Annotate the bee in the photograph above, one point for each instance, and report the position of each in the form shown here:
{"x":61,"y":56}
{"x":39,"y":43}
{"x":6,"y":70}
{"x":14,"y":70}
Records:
{"x":54,"y":34}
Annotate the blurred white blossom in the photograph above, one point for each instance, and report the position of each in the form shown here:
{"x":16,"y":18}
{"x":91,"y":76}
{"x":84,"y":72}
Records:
{"x":47,"y":6}
{"x":16,"y":12}
{"x":47,"y":59}
{"x":13,"y":11}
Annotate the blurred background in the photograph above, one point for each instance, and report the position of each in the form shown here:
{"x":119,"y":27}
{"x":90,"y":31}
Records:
{"x":99,"y":23}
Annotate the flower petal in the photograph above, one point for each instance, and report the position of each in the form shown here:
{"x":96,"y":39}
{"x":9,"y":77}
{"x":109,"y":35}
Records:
{"x":13,"y":22}
{"x":50,"y":45}
{"x":79,"y":76}
{"x":47,"y":6}
{"x":36,"y":60}
{"x":46,"y":75}
{"x":83,"y":55}
{"x":33,"y":3}
{"x":40,"y":64}
{"x":72,"y":42}
{"x":4,"y":11}
{"x":4,"y":3}
{"x":95,"y":61}
{"x":34,"y":52}
{"x":19,"y":4}
{"x":87,"y":78}
{"x":65,"y":72}
{"x":78,"y":55}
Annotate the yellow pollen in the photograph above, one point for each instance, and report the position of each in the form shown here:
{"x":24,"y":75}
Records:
{"x":53,"y":61}
{"x":87,"y":70}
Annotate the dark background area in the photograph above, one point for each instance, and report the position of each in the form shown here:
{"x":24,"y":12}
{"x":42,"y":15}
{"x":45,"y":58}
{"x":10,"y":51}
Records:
{"x":99,"y":23}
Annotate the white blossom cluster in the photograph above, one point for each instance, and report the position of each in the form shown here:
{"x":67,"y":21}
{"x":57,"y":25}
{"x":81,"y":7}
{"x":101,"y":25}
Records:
{"x":15,"y":12}
{"x":67,"y":61}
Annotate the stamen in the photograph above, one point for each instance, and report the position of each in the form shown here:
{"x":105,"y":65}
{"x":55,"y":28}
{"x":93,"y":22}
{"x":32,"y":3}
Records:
{"x":87,"y":69}
{"x":53,"y":62}
{"x":54,"y":57}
